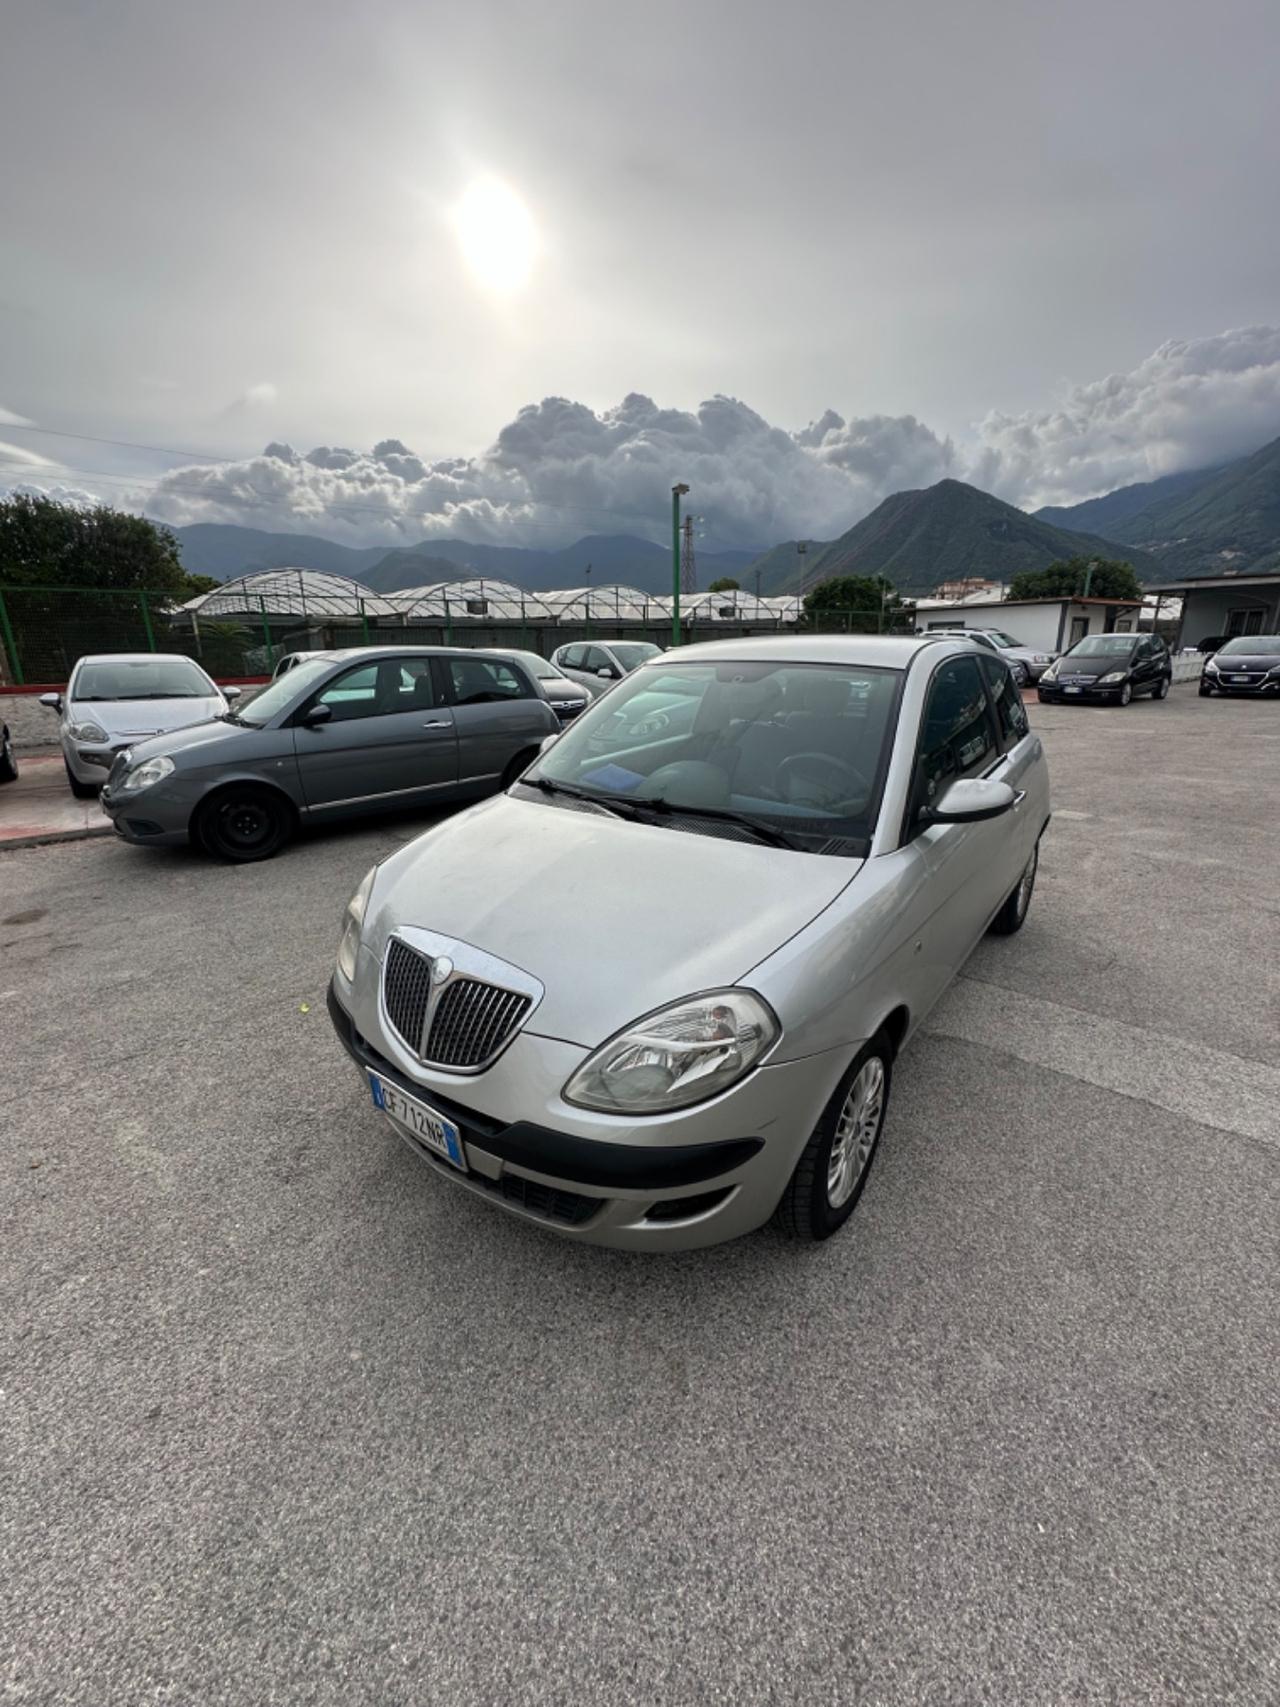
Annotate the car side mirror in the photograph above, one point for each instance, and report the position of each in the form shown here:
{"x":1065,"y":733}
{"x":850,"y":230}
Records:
{"x":548,"y":741}
{"x":972,"y":800}
{"x":607,"y":673}
{"x":317,"y":715}
{"x":52,"y":700}
{"x":231,"y":694}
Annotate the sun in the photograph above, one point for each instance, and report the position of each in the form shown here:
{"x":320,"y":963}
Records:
{"x":496,"y":234}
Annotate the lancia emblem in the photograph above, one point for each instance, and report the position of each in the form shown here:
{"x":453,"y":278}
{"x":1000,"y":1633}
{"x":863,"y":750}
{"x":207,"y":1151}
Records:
{"x":441,"y":968}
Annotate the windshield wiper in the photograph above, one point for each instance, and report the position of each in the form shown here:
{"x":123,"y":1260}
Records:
{"x":766,"y":832}
{"x":546,"y":786}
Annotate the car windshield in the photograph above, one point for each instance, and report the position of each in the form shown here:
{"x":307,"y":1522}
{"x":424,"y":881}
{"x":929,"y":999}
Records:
{"x":796,"y":752}
{"x":632,"y":653}
{"x":284,"y":691}
{"x":1002,"y":640}
{"x":147,"y":678}
{"x":1255,"y":643}
{"x":1104,"y":646}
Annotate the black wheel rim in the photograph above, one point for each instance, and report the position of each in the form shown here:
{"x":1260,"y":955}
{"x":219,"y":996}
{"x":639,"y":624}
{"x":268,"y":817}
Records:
{"x":245,"y":826}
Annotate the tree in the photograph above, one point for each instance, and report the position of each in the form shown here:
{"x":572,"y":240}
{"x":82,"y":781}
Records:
{"x":859,"y":604}
{"x":47,"y":544}
{"x":1111,"y":579}
{"x":726,"y":584}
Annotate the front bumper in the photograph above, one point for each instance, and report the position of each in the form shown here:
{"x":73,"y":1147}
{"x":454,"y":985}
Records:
{"x":1052,"y":694}
{"x":674,"y":1182}
{"x":1257,"y":688}
{"x":150,"y":817}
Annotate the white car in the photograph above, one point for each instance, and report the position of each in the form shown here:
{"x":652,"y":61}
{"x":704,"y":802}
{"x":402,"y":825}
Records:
{"x":598,"y":664}
{"x":116,"y":698}
{"x":1027,"y":664}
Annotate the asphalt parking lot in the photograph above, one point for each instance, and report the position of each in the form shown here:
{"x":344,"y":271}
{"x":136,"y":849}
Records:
{"x":284,"y":1419}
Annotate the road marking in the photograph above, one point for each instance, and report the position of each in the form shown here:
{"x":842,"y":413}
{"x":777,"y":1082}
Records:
{"x":1212,"y":1086}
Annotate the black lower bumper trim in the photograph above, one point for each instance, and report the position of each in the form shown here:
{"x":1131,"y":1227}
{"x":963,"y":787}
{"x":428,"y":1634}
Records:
{"x":584,"y":1161}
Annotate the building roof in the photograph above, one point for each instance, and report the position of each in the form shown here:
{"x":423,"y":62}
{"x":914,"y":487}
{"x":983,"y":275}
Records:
{"x":1267,"y":578}
{"x":290,"y":592}
{"x":478,"y":599}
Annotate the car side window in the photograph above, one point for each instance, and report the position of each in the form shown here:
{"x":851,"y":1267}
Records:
{"x":485,"y":681}
{"x":352,"y":694}
{"x":1011,"y":714}
{"x":570,"y":658}
{"x":957,"y":736}
{"x":597,"y":659}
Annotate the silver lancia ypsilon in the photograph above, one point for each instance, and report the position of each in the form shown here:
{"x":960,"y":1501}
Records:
{"x":653,"y":996}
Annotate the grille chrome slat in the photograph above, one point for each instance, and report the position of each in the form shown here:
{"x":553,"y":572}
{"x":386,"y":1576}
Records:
{"x":462,"y":1023}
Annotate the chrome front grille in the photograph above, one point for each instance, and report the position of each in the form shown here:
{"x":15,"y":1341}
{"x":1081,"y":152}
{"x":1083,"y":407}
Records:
{"x":472,"y":1021}
{"x":406,"y":989}
{"x":450,"y":1020}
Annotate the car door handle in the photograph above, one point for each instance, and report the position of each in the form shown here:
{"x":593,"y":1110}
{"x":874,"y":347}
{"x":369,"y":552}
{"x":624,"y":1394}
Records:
{"x":437,"y":723}
{"x":1019,"y":796}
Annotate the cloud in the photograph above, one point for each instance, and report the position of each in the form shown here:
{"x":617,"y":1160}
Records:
{"x":560,"y":469}
{"x":9,"y":419}
{"x":1192,"y":403}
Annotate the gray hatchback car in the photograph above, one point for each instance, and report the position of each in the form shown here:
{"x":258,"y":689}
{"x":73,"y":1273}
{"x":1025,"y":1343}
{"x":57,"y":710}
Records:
{"x":337,"y":736}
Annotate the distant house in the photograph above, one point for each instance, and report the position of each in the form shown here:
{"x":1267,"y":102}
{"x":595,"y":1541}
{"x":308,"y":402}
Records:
{"x":974,"y":587}
{"x":1225,"y":605}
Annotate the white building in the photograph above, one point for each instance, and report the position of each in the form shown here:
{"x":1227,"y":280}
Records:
{"x":1050,"y":625}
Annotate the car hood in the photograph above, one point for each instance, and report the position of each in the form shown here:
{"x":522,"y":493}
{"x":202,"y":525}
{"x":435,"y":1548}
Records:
{"x":1247,"y":661}
{"x":1093,"y":667}
{"x":614,"y":918}
{"x":135,"y":719}
{"x":214,"y":741}
{"x":562,"y":688}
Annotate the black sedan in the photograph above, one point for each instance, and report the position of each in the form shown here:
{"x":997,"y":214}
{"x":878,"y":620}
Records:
{"x":1109,"y":668}
{"x":1248,"y":664}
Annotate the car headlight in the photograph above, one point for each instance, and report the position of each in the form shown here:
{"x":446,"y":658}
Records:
{"x":682,"y":1054}
{"x":1051,"y":674}
{"x":88,"y":731}
{"x":144,"y":775}
{"x":353,"y":924}
{"x":1040,"y":658}
{"x":1211,"y":668}
{"x":1274,"y":670}
{"x":1112,"y":676}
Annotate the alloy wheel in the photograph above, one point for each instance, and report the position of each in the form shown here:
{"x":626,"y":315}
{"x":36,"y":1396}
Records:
{"x":1026,"y":883}
{"x":856,"y":1131}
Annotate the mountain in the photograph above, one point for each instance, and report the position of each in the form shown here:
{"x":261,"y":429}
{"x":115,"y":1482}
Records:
{"x":601,"y":559}
{"x":225,"y":551}
{"x":1109,"y":514}
{"x":948,"y":532}
{"x":1230,"y":522}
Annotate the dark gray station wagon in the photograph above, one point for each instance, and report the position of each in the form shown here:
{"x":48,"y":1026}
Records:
{"x":364,"y":731}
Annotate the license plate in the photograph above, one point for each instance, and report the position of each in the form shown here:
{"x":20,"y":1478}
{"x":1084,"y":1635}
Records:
{"x":420,"y":1121}
{"x":1072,"y":690}
{"x":1238,"y":678}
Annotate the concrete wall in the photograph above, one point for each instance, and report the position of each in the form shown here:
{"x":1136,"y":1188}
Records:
{"x":30,"y":723}
{"x":1207,"y":611}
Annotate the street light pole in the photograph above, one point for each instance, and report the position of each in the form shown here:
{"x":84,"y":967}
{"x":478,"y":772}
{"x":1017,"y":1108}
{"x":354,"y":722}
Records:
{"x":1088,"y":577}
{"x":677,"y":492}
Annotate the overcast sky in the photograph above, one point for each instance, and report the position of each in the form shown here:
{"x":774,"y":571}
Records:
{"x":970,"y":231}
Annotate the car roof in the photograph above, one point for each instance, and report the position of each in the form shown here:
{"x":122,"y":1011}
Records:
{"x":134,"y":658}
{"x":889,"y":651}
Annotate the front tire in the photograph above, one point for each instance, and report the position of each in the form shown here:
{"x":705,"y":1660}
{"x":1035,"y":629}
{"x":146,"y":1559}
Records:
{"x":8,"y":759}
{"x":832,"y":1171}
{"x":243,"y":824}
{"x":1205,"y":692}
{"x":1126,"y":694}
{"x":81,"y":790}
{"x":1161,"y":690}
{"x":1013,"y":914}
